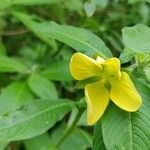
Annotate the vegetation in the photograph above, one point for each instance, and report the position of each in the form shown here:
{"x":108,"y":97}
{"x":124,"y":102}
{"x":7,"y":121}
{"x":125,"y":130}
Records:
{"x":42,"y":107}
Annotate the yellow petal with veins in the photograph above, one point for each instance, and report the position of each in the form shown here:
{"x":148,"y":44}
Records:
{"x":83,"y":67}
{"x":124,"y":94}
{"x":112,"y":67}
{"x":97,"y":97}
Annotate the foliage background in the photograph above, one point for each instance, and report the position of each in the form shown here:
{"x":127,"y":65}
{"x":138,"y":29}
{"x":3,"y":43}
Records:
{"x":38,"y":97}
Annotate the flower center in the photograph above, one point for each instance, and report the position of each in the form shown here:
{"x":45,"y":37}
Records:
{"x":106,"y":77}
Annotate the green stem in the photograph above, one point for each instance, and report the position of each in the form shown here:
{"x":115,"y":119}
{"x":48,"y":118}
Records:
{"x":71,"y":128}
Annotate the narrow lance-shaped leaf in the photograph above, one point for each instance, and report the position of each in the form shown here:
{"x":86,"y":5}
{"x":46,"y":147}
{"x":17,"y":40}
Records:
{"x":32,"y":119}
{"x":80,"y":39}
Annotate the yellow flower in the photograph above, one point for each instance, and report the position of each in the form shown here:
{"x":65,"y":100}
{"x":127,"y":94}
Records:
{"x":110,"y":83}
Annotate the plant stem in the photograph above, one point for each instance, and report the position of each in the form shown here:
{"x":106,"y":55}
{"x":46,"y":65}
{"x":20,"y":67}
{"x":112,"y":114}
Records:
{"x":71,"y":128}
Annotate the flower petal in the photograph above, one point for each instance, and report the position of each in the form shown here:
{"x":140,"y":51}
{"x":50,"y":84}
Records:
{"x":124,"y":94}
{"x":97,"y":98}
{"x":100,"y":60}
{"x":112,"y":67}
{"x":83,"y":67}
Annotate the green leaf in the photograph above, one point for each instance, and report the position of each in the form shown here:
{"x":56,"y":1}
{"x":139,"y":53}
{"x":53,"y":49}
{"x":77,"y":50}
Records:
{"x":134,"y":1}
{"x":74,"y":5}
{"x":42,"y":87}
{"x":57,"y":134}
{"x":101,"y":4}
{"x":123,"y":130}
{"x":41,"y":142}
{"x":89,"y":8}
{"x":7,"y":3}
{"x":80,"y":39}
{"x":13,"y":96}
{"x":137,"y":38}
{"x":148,"y":1}
{"x":30,"y":23}
{"x":3,"y":145}
{"x":147,"y":73}
{"x":2,"y":49}
{"x":77,"y":140}
{"x":8,"y":64}
{"x":127,"y":55}
{"x":34,"y":2}
{"x":83,"y":120}
{"x":98,"y":143}
{"x":119,"y":127}
{"x":32,"y":119}
{"x":58,"y":71}
{"x":4,"y":4}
